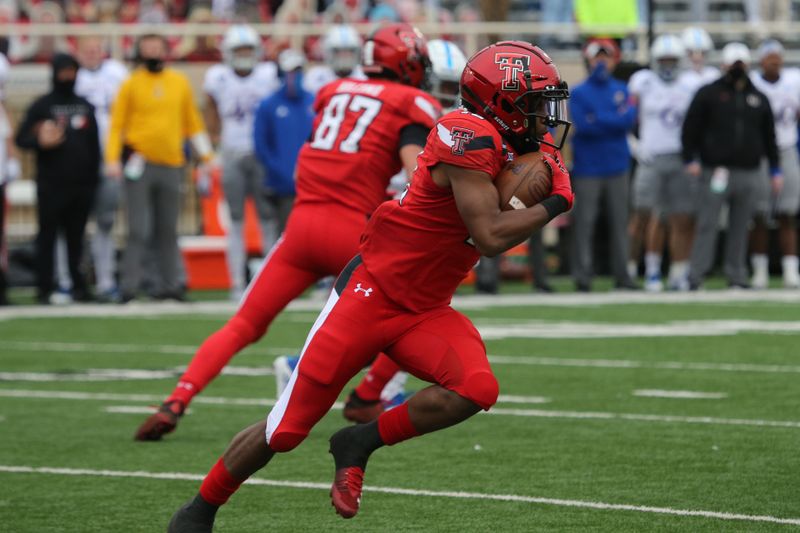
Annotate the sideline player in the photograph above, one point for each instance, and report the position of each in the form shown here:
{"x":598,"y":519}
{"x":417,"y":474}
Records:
{"x":395,"y":295}
{"x":698,"y":44}
{"x":782,"y":88}
{"x":364,"y":133}
{"x":341,"y":50}
{"x":383,"y":385}
{"x":661,"y":187}
{"x":234,"y":88}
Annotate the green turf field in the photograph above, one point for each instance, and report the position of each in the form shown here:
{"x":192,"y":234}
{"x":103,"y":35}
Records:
{"x":588,"y":436}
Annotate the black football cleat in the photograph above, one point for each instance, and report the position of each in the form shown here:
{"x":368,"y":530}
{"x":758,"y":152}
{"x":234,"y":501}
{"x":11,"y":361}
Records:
{"x":194,"y":516}
{"x":361,"y":411}
{"x":161,"y":422}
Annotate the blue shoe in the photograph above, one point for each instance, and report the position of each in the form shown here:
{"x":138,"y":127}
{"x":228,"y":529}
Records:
{"x":284,"y":367}
{"x":396,"y":400}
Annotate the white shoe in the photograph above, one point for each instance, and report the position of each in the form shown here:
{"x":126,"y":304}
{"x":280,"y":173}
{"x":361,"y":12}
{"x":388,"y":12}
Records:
{"x":283,"y":367}
{"x":61,"y":297}
{"x":791,"y":280}
{"x":653,"y":284}
{"x":760,"y":281}
{"x":679,"y":285}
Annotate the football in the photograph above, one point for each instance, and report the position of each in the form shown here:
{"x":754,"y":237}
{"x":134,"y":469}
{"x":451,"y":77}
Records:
{"x":524,"y":182}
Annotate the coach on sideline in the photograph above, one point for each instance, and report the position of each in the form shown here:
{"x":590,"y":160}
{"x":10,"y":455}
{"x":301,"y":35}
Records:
{"x":728,"y":129}
{"x":153,"y":114}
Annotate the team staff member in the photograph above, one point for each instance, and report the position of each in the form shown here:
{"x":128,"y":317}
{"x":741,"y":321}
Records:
{"x":152,"y":115}
{"x":61,"y":128}
{"x":728,"y":129}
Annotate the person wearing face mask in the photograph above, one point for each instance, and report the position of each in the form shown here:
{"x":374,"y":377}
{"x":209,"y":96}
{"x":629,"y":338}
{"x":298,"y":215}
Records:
{"x":602,"y":117}
{"x":152,"y":115}
{"x":781,"y":85}
{"x":661,"y":187}
{"x":283,"y":123}
{"x":60,"y":127}
{"x":729,"y":128}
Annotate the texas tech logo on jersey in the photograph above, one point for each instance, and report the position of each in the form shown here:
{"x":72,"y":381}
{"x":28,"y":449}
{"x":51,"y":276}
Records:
{"x":461,"y":137}
{"x":512,"y":64}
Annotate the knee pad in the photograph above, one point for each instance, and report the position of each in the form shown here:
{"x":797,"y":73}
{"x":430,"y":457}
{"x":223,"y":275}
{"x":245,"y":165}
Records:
{"x":481,"y":388}
{"x":285,"y":441}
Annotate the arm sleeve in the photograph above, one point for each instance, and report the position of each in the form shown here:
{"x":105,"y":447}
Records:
{"x":193,"y":122}
{"x":413,"y":134}
{"x":692,"y":129}
{"x":26,"y":132}
{"x":768,"y":135}
{"x":119,"y":113}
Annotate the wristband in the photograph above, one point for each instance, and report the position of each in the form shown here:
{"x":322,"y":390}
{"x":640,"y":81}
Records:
{"x":554,"y":205}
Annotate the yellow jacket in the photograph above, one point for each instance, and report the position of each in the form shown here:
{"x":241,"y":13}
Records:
{"x":153,"y":113}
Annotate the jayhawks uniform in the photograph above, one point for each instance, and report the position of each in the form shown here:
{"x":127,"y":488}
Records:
{"x":696,"y":79}
{"x":237,"y":98}
{"x":394,"y":297}
{"x":784,"y":99}
{"x":660,"y":181}
{"x":100,"y":87}
{"x":318,"y":76}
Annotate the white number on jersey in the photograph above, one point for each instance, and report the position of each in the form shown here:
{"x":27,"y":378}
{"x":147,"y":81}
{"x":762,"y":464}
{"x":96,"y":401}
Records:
{"x":332,"y":118}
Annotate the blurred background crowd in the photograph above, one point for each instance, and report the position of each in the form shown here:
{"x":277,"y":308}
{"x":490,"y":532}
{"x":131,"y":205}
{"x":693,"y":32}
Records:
{"x":678,"y":137}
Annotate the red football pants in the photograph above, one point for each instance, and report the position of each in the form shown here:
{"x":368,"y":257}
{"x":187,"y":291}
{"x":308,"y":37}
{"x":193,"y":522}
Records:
{"x":440,"y":346}
{"x":319,"y":241}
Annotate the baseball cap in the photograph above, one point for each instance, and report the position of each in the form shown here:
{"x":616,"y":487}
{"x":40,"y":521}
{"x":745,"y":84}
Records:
{"x":769,"y":47}
{"x":290,"y":59}
{"x":734,"y":52}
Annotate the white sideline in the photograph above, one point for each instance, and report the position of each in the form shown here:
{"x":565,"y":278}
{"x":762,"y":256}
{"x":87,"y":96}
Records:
{"x":412,"y":492}
{"x":135,"y":309}
{"x":499,"y":411}
{"x":679,"y":394}
{"x":79,"y":347}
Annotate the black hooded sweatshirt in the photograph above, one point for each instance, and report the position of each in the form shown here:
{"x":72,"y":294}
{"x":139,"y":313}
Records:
{"x":76,"y":161}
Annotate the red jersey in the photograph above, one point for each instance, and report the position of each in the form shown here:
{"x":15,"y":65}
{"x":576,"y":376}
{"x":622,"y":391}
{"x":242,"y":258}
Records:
{"x":418,"y":249}
{"x":354,"y":148}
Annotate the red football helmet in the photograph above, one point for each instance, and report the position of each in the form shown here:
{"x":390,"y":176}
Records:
{"x":397,"y":51}
{"x":511,"y":83}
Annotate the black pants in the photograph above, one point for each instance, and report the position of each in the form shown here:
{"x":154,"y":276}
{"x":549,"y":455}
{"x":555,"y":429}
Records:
{"x":63,"y":209}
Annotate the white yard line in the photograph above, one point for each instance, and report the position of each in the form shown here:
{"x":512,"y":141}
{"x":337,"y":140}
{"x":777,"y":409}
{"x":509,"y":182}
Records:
{"x":679,"y":394}
{"x":124,"y":374}
{"x":461,"y":495}
{"x":498,"y":411}
{"x":78,"y":347}
{"x":137,"y":309}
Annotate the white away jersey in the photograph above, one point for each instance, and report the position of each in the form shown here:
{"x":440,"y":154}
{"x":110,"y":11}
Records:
{"x":4,"y":72}
{"x":662,"y":108}
{"x":237,"y":99}
{"x":100,"y":87}
{"x":697,"y":79}
{"x":784,"y":99}
{"x":318,"y":76}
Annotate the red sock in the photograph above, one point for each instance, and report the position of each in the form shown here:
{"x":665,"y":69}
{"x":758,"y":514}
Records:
{"x":207,"y":363}
{"x":395,"y":425}
{"x":218,"y":485}
{"x":378,"y":375}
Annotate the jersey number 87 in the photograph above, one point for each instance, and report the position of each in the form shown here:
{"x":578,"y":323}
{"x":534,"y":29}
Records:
{"x":333,"y":117}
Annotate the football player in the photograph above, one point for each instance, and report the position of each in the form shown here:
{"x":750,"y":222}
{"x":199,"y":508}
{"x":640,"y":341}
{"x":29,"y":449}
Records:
{"x":234,"y":88}
{"x":697,"y":43}
{"x":661,"y":187}
{"x":364,"y":133}
{"x":383,"y":386}
{"x":341,"y":49}
{"x":395,"y":295}
{"x":781,"y":86}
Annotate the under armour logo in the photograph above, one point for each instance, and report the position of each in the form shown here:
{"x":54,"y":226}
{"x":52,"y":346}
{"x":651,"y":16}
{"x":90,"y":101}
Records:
{"x":366,"y":292}
{"x":512,"y":64}
{"x":461,"y":137}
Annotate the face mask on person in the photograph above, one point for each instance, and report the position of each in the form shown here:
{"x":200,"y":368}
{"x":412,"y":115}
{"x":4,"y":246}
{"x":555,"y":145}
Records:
{"x":153,"y":64}
{"x":600,"y":71}
{"x":64,"y":86}
{"x":737,"y":72}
